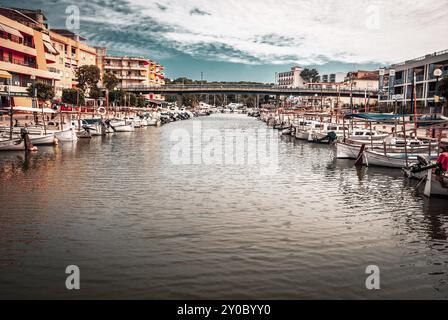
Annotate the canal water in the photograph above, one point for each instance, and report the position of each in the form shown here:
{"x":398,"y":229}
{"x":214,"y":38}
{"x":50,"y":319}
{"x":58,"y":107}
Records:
{"x":140,"y":225}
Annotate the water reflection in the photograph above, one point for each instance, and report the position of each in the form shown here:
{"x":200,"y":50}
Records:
{"x":148,"y":228}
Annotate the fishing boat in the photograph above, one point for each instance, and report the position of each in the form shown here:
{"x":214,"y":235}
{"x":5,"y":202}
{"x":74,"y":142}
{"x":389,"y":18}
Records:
{"x":436,"y":185}
{"x":304,"y":128}
{"x":67,"y":135}
{"x":124,"y":128}
{"x":12,"y":145}
{"x":350,"y":148}
{"x":121,"y":126}
{"x":346,"y":150}
{"x":419,"y":169}
{"x":364,"y":134}
{"x":37,"y":135}
{"x":95,"y":127}
{"x":393,"y":159}
{"x":144,"y":122}
{"x":43,"y":139}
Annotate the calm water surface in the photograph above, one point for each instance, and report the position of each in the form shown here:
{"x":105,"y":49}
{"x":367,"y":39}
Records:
{"x":139,"y":226}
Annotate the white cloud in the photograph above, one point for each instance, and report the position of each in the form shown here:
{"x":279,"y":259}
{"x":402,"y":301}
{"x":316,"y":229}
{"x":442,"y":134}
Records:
{"x":352,"y":31}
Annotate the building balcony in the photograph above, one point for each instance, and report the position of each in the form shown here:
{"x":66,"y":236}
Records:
{"x":131,"y":77}
{"x":28,"y":69}
{"x":124,"y":67}
{"x":19,"y":47}
{"x":13,"y":89}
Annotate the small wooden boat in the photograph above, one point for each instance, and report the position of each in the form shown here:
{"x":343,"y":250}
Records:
{"x":68,"y":135}
{"x":392,"y":160}
{"x":12,"y":145}
{"x":44,"y":139}
{"x":436,"y":185}
{"x":124,"y":128}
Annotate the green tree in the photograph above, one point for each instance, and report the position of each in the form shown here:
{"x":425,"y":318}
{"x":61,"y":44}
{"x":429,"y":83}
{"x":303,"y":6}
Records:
{"x":44,"y":91}
{"x":74,"y":96}
{"x":131,"y":99}
{"x":310,"y":75}
{"x":110,"y":81}
{"x":116,"y":96}
{"x":87,"y":76}
{"x":95,"y":93}
{"x":141,"y":102}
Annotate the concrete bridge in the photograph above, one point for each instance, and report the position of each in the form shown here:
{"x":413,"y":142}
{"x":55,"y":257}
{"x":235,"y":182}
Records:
{"x":179,"y":90}
{"x":175,"y":89}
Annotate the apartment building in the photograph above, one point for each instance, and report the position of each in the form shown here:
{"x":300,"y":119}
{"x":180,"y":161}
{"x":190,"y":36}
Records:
{"x":290,"y":79}
{"x":156,"y":74}
{"x":63,"y":51}
{"x":399,"y":80}
{"x":73,"y":53}
{"x":131,"y":71}
{"x":26,"y":54}
{"x":362,"y":80}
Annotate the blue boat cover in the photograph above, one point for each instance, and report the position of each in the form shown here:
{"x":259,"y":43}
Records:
{"x":373,"y":116}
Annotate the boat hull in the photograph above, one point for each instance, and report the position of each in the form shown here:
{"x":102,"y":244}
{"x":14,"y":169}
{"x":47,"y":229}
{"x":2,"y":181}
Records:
{"x":372,"y":158}
{"x":48,"y":139}
{"x":127,"y":128}
{"x":12,"y":145}
{"x":302,"y":135}
{"x":347,"y":151}
{"x":436,"y":185}
{"x":66,"y":135}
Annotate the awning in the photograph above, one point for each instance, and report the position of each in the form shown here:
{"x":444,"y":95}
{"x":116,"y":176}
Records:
{"x":10,"y":30}
{"x":46,"y":37}
{"x":22,"y":101}
{"x":5,"y":74}
{"x":50,"y":48}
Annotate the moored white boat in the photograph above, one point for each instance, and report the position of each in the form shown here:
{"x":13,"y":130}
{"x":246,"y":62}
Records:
{"x":436,"y":185}
{"x":347,"y":150}
{"x":124,"y":128}
{"x":44,"y":139}
{"x":67,"y":135}
{"x":12,"y":145}
{"x":391,"y":160}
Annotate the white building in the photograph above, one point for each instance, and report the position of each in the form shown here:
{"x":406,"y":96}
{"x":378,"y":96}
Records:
{"x":290,"y":79}
{"x":333,"y":77}
{"x":399,"y":89}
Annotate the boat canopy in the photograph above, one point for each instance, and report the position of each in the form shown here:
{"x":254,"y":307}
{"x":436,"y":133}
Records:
{"x":373,"y":116}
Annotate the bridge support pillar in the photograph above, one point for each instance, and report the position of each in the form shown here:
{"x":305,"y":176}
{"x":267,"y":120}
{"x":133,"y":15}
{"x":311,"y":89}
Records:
{"x":277,"y":101}
{"x":180,"y":100}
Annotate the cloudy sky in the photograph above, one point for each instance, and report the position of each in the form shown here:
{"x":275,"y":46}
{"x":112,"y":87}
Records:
{"x":252,"y":39}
